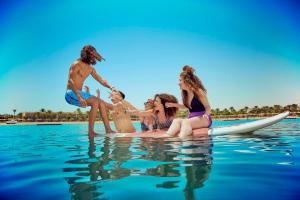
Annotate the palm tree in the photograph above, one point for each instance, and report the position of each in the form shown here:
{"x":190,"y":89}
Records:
{"x":20,"y":116}
{"x":255,"y":110}
{"x":43,"y":110}
{"x":246,"y":108}
{"x":225,"y":112}
{"x":243,"y":110}
{"x":277,"y":108}
{"x":59,"y":115}
{"x":294,"y":108}
{"x":78,"y":113}
{"x":49,"y":115}
{"x":14,"y":110}
{"x":78,"y":110}
{"x":232,"y":110}
{"x":264,"y":109}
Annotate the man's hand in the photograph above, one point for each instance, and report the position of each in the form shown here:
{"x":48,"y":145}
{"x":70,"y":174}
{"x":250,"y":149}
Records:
{"x":112,"y":88}
{"x":87,"y":89}
{"x":82,"y":102}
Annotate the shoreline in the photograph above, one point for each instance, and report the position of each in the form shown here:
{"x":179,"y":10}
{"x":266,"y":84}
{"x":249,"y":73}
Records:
{"x":51,"y":123}
{"x":100,"y":122}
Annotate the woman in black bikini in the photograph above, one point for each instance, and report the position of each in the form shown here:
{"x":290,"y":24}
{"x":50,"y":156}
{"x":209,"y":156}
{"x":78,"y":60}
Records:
{"x":195,"y":100}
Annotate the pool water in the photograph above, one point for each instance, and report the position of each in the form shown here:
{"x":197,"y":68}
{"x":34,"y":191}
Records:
{"x":62,"y":162}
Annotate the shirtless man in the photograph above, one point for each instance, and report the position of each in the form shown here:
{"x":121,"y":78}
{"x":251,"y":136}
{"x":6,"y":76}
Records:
{"x":119,"y":114}
{"x":78,"y":73}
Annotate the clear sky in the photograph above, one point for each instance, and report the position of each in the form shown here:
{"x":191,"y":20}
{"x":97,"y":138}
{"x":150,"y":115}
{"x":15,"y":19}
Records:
{"x":246,"y":53}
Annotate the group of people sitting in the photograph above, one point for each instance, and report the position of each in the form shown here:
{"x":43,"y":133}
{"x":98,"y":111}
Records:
{"x":159,"y":113}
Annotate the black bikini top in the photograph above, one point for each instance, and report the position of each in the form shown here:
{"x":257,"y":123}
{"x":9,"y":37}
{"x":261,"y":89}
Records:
{"x":196,"y":105}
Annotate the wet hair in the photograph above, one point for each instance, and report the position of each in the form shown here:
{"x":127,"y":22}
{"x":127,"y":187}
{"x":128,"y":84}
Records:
{"x":86,"y":55}
{"x":168,"y":98}
{"x":191,"y":80}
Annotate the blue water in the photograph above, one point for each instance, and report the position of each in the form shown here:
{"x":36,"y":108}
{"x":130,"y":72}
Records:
{"x":61,"y":162}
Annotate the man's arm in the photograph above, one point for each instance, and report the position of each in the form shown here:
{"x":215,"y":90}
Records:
{"x":100,"y":80}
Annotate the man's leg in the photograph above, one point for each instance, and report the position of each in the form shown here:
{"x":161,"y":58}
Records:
{"x":103,"y":113}
{"x":93,"y":102}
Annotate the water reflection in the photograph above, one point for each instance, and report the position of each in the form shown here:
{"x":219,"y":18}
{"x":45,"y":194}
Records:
{"x":187,"y":162}
{"x":269,"y":145}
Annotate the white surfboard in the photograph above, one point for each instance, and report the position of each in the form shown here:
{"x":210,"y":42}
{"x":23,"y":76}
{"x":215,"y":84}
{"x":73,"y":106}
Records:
{"x":248,"y":127}
{"x":239,"y":128}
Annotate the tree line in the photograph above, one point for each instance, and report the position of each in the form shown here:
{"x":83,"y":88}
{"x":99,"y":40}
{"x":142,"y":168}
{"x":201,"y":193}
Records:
{"x":78,"y":115}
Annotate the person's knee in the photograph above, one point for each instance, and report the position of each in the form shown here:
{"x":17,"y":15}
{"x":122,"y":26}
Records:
{"x":186,"y":122}
{"x":185,"y":131}
{"x":101,"y":103}
{"x":94,"y":103}
{"x":177,"y":120}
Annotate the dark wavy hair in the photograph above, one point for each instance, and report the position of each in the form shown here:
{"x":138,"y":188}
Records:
{"x":86,"y":55}
{"x":168,"y":98}
{"x":191,"y":80}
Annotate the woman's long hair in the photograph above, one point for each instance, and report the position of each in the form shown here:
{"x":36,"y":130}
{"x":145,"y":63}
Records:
{"x":191,"y":80}
{"x":86,"y":55}
{"x":167,"y":98}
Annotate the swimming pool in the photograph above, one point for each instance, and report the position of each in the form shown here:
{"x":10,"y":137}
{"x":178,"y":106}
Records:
{"x":61,"y":162}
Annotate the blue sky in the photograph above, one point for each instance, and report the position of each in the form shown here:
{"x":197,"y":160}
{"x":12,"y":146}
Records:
{"x":246,"y":53}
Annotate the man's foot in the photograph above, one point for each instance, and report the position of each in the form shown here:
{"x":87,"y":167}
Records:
{"x":110,"y":131}
{"x":93,"y":134}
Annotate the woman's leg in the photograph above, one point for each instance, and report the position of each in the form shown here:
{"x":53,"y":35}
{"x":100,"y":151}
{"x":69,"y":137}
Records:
{"x":192,"y":123}
{"x":175,"y":127}
{"x":186,"y":128}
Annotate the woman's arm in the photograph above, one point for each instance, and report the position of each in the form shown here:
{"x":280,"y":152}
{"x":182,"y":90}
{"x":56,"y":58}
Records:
{"x":140,"y":113}
{"x":201,"y":95}
{"x":176,"y":105}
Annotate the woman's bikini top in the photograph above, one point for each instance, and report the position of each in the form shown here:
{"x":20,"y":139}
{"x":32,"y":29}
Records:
{"x":196,"y":105}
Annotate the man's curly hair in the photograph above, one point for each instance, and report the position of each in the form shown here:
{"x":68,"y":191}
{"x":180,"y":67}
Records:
{"x":86,"y":55}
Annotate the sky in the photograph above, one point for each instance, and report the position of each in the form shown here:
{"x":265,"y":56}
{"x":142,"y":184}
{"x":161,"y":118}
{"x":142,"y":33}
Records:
{"x":246,"y":53}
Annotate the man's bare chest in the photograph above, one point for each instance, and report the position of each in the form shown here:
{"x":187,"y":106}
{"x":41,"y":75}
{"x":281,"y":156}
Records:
{"x":83,"y":73}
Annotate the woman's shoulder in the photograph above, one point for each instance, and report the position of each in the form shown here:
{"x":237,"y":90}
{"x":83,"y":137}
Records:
{"x":199,"y":92}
